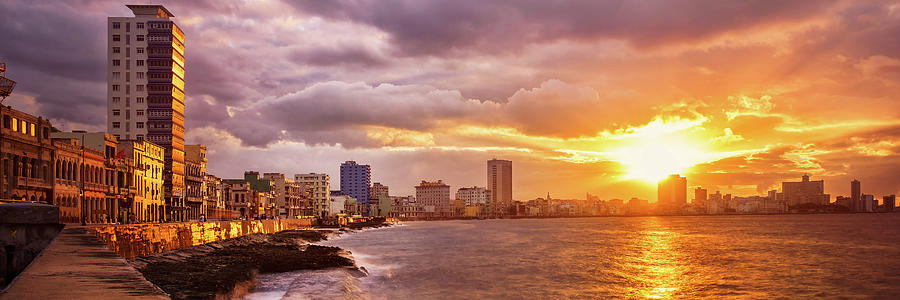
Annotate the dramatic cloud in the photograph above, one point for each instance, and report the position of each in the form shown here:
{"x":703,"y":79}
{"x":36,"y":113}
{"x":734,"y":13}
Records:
{"x":737,"y":95}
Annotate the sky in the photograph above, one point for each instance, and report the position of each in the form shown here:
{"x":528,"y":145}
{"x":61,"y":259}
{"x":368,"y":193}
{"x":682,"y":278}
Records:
{"x":600,"y":97}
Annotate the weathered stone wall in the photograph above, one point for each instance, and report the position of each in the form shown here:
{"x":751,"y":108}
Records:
{"x":25,"y":230}
{"x":135,"y":240}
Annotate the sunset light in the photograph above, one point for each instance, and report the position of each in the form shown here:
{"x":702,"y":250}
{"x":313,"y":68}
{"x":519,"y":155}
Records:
{"x":563,"y":149}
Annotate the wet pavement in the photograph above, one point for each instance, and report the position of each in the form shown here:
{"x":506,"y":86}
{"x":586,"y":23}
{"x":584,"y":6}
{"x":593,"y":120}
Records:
{"x":77,"y":265}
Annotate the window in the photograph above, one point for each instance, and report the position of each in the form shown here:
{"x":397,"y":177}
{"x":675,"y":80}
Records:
{"x":117,"y":125}
{"x":24,"y":127}
{"x":139,"y":112}
{"x":117,"y":99}
{"x":139,"y":38}
{"x":117,"y":50}
{"x":117,"y":62}
{"x":139,"y":125}
{"x":15,"y":124}
{"x":140,"y":50}
{"x":140,"y":100}
{"x":117,"y":38}
{"x":117,"y":136}
{"x":117,"y":75}
{"x":139,"y":75}
{"x":115,"y":87}
{"x":116,"y":112}
{"x":139,"y":63}
{"x":117,"y":25}
{"x":31,"y":130}
{"x":140,"y":137}
{"x":139,"y":25}
{"x":139,"y":88}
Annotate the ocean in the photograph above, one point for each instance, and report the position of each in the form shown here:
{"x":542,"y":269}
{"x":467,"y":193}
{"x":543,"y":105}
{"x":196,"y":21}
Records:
{"x":741,"y":256}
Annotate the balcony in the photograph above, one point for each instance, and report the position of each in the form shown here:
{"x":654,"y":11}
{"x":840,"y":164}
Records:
{"x":33,"y":183}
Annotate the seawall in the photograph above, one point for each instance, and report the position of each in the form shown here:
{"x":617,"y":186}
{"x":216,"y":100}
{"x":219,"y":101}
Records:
{"x":134,"y":240}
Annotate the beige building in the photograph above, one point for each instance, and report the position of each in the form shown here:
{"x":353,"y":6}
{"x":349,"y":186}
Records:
{"x":319,"y":185}
{"x":377,"y":191}
{"x":145,"y":89}
{"x":434,"y":196}
{"x":805,"y":191}
{"x":499,"y":181}
{"x":195,"y":171}
{"x":149,"y":162}
{"x":27,"y":154}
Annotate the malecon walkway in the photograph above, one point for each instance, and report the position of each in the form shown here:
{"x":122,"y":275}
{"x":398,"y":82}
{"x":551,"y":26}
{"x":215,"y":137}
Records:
{"x":77,"y":265}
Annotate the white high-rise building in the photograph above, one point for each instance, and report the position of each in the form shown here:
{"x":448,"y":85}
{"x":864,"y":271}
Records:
{"x":145,"y":90}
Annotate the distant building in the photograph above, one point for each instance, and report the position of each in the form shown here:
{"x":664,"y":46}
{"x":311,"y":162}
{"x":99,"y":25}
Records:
{"x":672,"y":193}
{"x":435,"y":197}
{"x":699,"y":196}
{"x":356,"y":180}
{"x":378,"y":190}
{"x":856,"y":196}
{"x":499,"y":181}
{"x":889,"y":203}
{"x":476,"y":200}
{"x":319,"y":185}
{"x":869,"y":203}
{"x":805,"y":191}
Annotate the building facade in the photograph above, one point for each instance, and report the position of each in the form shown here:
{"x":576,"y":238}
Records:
{"x":356,"y":180}
{"x":672,"y":193}
{"x":27,"y":156}
{"x":145,"y":90}
{"x":805,"y":191}
{"x":378,"y":190}
{"x":195,"y":172}
{"x":499,"y":181}
{"x":149,"y":163}
{"x":319,"y":186}
{"x":434,"y":196}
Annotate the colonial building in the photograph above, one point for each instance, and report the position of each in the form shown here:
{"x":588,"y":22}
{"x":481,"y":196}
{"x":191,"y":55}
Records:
{"x":238,"y":197}
{"x":195,"y":171}
{"x":214,"y":196}
{"x":66,"y":184}
{"x":27,"y":154}
{"x":149,"y":163}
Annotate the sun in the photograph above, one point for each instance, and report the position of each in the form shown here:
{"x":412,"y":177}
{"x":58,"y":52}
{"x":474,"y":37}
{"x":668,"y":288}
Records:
{"x":653,"y":159}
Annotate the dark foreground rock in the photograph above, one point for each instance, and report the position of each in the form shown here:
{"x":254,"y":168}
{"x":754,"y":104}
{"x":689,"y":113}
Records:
{"x":228,"y":268}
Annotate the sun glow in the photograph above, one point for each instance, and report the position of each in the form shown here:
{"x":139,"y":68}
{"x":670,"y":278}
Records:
{"x":653,"y":159}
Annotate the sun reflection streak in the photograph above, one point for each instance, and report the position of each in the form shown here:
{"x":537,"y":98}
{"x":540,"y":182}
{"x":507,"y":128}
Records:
{"x":658,"y":268}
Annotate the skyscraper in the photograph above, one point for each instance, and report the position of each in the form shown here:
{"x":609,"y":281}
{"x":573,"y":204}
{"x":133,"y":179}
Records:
{"x":145,"y":92}
{"x":699,"y":196}
{"x":855,"y":196}
{"x":356,"y":181}
{"x":672,"y":192}
{"x":499,"y":181}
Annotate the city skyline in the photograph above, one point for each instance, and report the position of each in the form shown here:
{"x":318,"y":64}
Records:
{"x":608,"y":125}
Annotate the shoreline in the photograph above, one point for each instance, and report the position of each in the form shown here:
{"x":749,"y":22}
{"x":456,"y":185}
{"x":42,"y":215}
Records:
{"x":637,"y":216}
{"x":228,"y":269}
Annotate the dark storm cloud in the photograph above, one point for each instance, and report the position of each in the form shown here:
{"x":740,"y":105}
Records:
{"x":435,"y":27}
{"x":352,"y":55}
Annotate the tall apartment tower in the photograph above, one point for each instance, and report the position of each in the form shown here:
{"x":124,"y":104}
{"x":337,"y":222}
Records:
{"x":672,"y":192}
{"x":145,"y":92}
{"x":499,"y":181}
{"x":855,"y":196}
{"x":356,"y":181}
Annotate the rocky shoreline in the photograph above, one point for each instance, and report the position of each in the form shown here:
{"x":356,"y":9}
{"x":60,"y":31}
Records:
{"x":227,"y":269}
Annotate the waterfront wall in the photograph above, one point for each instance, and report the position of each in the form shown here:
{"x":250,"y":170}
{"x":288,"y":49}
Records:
{"x":25,"y":230}
{"x":135,"y":240}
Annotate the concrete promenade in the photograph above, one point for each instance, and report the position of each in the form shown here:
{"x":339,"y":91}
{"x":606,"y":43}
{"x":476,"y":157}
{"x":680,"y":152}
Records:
{"x":77,"y":265}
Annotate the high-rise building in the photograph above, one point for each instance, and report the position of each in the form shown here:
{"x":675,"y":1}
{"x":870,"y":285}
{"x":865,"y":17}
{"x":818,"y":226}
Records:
{"x":378,"y":190}
{"x":855,"y":196}
{"x":889,"y":202}
{"x":435,"y":197}
{"x":356,"y":181}
{"x":699,"y":196}
{"x":499,"y":181}
{"x":319,"y":186}
{"x":868,"y":203}
{"x":805,"y":191}
{"x":672,"y":192}
{"x":145,"y":89}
